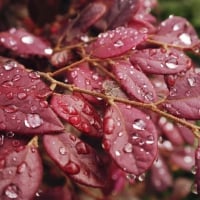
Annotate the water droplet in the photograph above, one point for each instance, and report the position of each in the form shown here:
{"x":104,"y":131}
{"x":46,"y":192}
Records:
{"x":150,"y":139}
{"x":48,"y":51}
{"x":176,"y":27}
{"x":12,"y":191}
{"x":106,"y":144}
{"x":9,"y":65}
{"x":72,"y":138}
{"x":21,"y":168}
{"x":28,"y":39}
{"x":131,"y":178}
{"x":95,"y":76}
{"x":135,"y":136}
{"x":21,"y":95}
{"x":75,"y":120}
{"x":191,"y":81}
{"x":109,"y":126}
{"x":11,"y":109}
{"x":194,"y":169}
{"x":10,"y":134}
{"x":87,"y":109}
{"x":141,"y":177}
{"x":185,"y":38}
{"x":33,"y":121}
{"x":148,"y":96}
{"x":1,"y":139}
{"x":16,"y":77}
{"x":120,"y":134}
{"x":2,"y":163}
{"x":171,"y":65}
{"x":117,"y":153}
{"x":188,"y":159}
{"x":173,"y":92}
{"x":118,"y":43}
{"x":85,"y":38}
{"x":74,"y":74}
{"x":139,"y":124}
{"x":7,"y":84}
{"x":82,"y":148}
{"x":72,"y":168}
{"x":128,"y":148}
{"x":62,"y":150}
{"x":69,"y":109}
{"x":34,"y":75}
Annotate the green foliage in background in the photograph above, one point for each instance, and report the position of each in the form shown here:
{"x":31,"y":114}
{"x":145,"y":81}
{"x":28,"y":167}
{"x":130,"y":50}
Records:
{"x":190,"y":9}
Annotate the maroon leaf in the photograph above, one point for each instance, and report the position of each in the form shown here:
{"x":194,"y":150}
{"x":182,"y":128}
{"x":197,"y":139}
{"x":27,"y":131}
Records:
{"x":121,"y":12}
{"x":20,"y":170}
{"x":86,"y":78}
{"x":116,"y":42}
{"x":78,"y":112}
{"x":161,"y":61}
{"x":23,"y":43}
{"x":130,"y":139}
{"x":177,"y":31}
{"x":135,"y":83}
{"x":170,"y":131}
{"x":76,"y":158}
{"x":197,"y":171}
{"x":183,"y":157}
{"x":183,"y":99}
{"x":23,"y":108}
{"x":160,"y":175}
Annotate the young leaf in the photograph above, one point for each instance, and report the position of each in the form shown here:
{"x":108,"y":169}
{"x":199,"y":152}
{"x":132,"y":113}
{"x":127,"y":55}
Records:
{"x":22,"y":43}
{"x":183,"y":99}
{"x":131,"y":140}
{"x":78,"y":112}
{"x":23,"y":108}
{"x":161,"y":61}
{"x":135,"y":83}
{"x":76,"y":158}
{"x":115,"y":42}
{"x":20,"y":170}
{"x":177,"y":31}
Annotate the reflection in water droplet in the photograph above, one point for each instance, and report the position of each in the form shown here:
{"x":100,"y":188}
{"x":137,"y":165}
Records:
{"x":150,"y":139}
{"x":171,"y":65}
{"x":12,"y":191}
{"x":117,"y":153}
{"x":176,"y":27}
{"x":141,"y":177}
{"x":131,"y":178}
{"x":139,"y":124}
{"x":118,"y":43}
{"x":185,"y":38}
{"x":27,"y":39}
{"x":72,"y":168}
{"x":62,"y":150}
{"x":128,"y":148}
{"x":191,"y":81}
{"x":33,"y":121}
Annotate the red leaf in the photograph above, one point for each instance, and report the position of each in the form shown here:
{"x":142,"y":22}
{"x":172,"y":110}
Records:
{"x":160,"y":175}
{"x":130,"y":139}
{"x":76,"y":158}
{"x":116,"y":42}
{"x":23,"y":108}
{"x":78,"y":112}
{"x":161,"y":61}
{"x":183,"y":157}
{"x":183,"y":100}
{"x":177,"y":31}
{"x":84,"y":77}
{"x":23,"y":43}
{"x":20,"y":170}
{"x":135,"y":83}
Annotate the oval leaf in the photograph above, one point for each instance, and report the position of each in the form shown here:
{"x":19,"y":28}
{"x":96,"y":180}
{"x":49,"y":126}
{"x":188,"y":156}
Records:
{"x":23,"y":108}
{"x":184,"y":99}
{"x":161,"y":61}
{"x":115,"y":42}
{"x":78,"y":112}
{"x":76,"y":158}
{"x":23,"y":43}
{"x":177,"y":31}
{"x":135,"y":83}
{"x":20,"y":170}
{"x":130,"y":139}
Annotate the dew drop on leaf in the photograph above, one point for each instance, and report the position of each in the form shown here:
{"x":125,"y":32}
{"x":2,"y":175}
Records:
{"x":141,"y":177}
{"x":33,"y":121}
{"x":106,"y":144}
{"x":139,"y":124}
{"x":82,"y":148}
{"x":48,"y":51}
{"x":62,"y":150}
{"x":194,"y":188}
{"x":12,"y":191}
{"x":150,"y":139}
{"x":128,"y":148}
{"x":21,"y":95}
{"x":28,"y":39}
{"x":21,"y":168}
{"x":171,"y":65}
{"x":109,"y":127}
{"x":131,"y":178}
{"x":74,"y":120}
{"x":72,"y":168}
{"x":185,"y":38}
{"x":9,"y":65}
{"x":118,"y":43}
{"x":1,"y":139}
{"x":191,"y":81}
{"x":117,"y":153}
